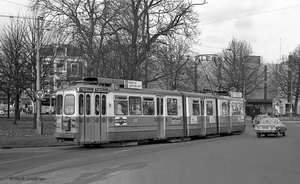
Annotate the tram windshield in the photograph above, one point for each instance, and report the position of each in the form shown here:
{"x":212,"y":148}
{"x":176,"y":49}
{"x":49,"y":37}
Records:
{"x":69,"y":104}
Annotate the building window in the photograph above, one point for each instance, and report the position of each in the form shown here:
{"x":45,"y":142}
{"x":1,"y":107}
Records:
{"x":74,"y":69}
{"x":60,"y":51}
{"x":60,"y":67}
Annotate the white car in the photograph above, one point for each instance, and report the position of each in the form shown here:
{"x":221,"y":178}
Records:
{"x":2,"y":112}
{"x":270,"y":126}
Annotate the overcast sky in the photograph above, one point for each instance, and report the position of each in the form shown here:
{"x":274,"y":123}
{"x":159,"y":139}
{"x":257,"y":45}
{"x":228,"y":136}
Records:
{"x":272,"y":27}
{"x":268,"y":25}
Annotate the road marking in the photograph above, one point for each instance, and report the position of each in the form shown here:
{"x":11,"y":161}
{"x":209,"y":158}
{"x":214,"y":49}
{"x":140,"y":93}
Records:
{"x":24,"y":159}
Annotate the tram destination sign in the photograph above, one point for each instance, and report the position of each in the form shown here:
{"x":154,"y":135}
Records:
{"x":101,"y":90}
{"x":91,"y":90}
{"x":86,"y":90}
{"x":236,"y":94}
{"x":133,"y":84}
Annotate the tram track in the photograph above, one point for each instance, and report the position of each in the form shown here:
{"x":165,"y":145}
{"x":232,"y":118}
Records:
{"x":76,"y":160}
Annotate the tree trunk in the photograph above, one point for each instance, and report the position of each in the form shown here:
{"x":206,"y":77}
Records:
{"x":8,"y":105}
{"x":16,"y":110}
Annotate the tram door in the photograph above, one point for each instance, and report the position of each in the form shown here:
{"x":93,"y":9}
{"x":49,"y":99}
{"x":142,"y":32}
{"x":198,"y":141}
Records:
{"x":100,"y":124}
{"x":85,"y":124}
{"x":92,"y":115}
{"x":161,"y":125}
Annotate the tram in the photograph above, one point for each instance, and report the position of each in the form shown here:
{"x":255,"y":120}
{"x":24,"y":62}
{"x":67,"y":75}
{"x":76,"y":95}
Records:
{"x":102,"y":110}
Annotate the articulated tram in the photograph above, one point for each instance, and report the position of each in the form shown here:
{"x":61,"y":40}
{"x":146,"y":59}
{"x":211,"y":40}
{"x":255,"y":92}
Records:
{"x":101,"y":110}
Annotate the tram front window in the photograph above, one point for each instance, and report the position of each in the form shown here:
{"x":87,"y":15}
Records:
{"x":69,"y":104}
{"x":59,"y":104}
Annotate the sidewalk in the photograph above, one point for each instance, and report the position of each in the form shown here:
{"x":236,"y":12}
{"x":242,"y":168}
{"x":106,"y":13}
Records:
{"x":23,"y":135}
{"x":287,"y":118}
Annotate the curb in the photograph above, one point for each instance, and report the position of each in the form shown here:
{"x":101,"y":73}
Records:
{"x":35,"y":146}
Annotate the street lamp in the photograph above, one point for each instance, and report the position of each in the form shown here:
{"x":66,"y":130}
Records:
{"x":39,"y":126}
{"x":204,"y":2}
{"x":290,"y":77}
{"x":206,"y":75}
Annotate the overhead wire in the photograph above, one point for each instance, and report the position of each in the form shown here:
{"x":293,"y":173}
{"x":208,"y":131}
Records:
{"x":213,"y":22}
{"x":248,"y":15}
{"x":14,"y":3}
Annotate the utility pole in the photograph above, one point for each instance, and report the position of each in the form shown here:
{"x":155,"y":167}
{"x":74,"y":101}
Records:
{"x":39,"y":126}
{"x":290,"y":85}
{"x":219,"y":75}
{"x":195,"y":73}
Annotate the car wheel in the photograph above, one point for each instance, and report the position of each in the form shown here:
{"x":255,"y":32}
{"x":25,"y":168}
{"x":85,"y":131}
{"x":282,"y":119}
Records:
{"x":283,"y":134}
{"x":277,"y":134}
{"x":258,"y":135}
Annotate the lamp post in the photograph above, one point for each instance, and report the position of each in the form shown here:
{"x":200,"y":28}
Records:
{"x":244,"y":78}
{"x":195,"y":76}
{"x":290,"y":84}
{"x":39,"y":126}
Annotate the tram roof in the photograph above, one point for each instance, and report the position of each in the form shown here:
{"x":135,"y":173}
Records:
{"x":92,"y":88}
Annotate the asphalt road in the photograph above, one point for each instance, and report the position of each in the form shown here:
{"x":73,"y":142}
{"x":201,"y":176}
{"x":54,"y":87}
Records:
{"x":234,"y":159}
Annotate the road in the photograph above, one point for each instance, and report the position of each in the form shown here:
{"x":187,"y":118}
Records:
{"x":233,"y":159}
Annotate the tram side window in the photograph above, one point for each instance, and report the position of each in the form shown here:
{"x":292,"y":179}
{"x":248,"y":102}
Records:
{"x":135,"y":105}
{"x":237,"y":108}
{"x":69,"y":108}
{"x":148,"y":106}
{"x":196,"y":107}
{"x":88,"y":104}
{"x":172,"y":106}
{"x":103,"y":105}
{"x":81,"y":104}
{"x":97,"y":105}
{"x":224,"y":106}
{"x":120,"y":105}
{"x":209,"y":108}
{"x":59,"y":104}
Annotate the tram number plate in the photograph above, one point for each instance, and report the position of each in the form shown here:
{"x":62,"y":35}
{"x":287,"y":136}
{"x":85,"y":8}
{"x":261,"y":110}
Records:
{"x":69,"y":135}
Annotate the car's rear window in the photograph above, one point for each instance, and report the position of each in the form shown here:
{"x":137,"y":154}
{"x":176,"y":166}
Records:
{"x":268,"y":121}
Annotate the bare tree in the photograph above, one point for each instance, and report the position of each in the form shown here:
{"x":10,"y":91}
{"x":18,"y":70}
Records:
{"x":238,"y":69}
{"x":84,"y":23}
{"x":5,"y":81}
{"x":119,"y":35}
{"x":174,"y":62}
{"x":12,"y":63}
{"x":286,"y":77}
{"x":146,"y":23}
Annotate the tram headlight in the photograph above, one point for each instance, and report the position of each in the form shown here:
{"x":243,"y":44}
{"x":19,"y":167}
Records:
{"x":73,"y":122}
